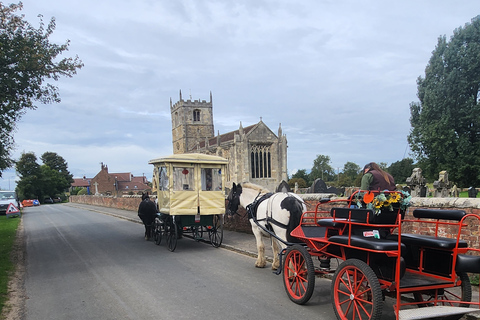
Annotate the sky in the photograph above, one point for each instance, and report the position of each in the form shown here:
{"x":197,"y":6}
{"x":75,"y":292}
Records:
{"x":338,"y":76}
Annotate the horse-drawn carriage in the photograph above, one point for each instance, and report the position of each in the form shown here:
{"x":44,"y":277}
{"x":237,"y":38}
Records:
{"x":190,"y":197}
{"x":362,"y":243}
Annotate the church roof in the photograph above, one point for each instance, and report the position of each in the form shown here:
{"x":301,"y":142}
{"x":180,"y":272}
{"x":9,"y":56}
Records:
{"x":226,"y":137}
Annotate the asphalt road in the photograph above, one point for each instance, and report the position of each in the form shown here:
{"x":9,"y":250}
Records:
{"x":87,"y":265}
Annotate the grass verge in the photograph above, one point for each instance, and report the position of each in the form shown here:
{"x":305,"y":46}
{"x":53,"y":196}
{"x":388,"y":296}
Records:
{"x":8,"y":231}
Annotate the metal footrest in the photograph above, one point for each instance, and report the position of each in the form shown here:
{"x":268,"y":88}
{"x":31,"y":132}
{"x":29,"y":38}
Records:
{"x":432,"y":312}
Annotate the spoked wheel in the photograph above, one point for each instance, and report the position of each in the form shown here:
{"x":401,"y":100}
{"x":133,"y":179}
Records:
{"x":197,"y":232}
{"x":157,"y":230}
{"x":171,"y":233}
{"x":356,"y":292}
{"x":461,"y":293}
{"x":298,"y":274}
{"x":215,"y":233}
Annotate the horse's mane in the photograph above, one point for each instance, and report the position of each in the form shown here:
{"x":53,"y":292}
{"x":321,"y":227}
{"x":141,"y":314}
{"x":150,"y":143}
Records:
{"x":254,"y":186}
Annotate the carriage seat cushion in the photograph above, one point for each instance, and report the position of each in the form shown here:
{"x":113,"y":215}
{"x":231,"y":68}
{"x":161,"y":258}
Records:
{"x":334,"y":223}
{"x":428,"y":241}
{"x":468,"y":263}
{"x":439,"y":214}
{"x":356,"y":214}
{"x":366,"y":242}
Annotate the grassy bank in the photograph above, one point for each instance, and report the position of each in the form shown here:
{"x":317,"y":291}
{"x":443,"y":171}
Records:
{"x":8,"y":230}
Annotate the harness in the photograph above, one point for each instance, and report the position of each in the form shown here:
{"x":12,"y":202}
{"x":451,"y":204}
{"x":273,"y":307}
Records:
{"x":252,"y":212}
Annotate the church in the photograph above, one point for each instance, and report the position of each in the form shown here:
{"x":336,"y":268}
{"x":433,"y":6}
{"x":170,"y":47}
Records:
{"x":255,"y":154}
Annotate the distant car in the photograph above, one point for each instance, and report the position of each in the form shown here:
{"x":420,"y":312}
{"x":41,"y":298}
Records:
{"x":35,"y":202}
{"x":48,"y":200}
{"x":57,"y":199}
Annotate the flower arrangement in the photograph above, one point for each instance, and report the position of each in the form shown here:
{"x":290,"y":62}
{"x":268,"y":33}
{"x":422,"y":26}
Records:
{"x":384,"y":201}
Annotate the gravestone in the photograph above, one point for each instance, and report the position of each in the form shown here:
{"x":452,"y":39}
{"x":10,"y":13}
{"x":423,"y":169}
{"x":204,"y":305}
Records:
{"x":442,"y":185}
{"x":472,"y":192}
{"x":283,"y":187}
{"x":417,"y":183}
{"x":318,"y":186}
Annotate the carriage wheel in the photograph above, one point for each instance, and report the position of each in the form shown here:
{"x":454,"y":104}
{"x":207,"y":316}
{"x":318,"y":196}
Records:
{"x":298,"y":274}
{"x":171,"y":233}
{"x":464,"y":294}
{"x":157,"y":231}
{"x":356,"y":292}
{"x":215,"y":234}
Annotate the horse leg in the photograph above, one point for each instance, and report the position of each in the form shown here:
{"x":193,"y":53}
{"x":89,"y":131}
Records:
{"x":276,"y":251}
{"x":261,"y":261}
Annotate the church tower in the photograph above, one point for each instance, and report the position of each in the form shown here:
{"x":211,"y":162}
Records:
{"x":192,"y":121}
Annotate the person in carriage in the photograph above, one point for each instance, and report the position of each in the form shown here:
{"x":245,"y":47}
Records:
{"x":147,"y":211}
{"x":374,"y":178}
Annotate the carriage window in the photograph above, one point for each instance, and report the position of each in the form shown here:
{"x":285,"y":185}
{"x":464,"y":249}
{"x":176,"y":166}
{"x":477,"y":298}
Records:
{"x":163,"y":179}
{"x":211,"y":179}
{"x":183,"y":179}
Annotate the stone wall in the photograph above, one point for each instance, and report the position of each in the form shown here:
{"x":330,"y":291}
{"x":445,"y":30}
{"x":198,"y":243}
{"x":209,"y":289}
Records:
{"x":240,"y":222}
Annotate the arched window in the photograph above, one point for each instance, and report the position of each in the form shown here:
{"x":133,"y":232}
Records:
{"x":261,"y":161}
{"x":196,"y":115}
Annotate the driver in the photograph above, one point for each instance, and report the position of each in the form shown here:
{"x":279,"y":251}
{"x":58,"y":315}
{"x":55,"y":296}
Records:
{"x":374,"y":178}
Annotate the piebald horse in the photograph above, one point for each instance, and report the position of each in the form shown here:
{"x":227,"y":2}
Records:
{"x":278,"y":213}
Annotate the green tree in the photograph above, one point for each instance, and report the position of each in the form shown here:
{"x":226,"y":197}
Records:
{"x":322,"y":169}
{"x":445,"y":132}
{"x":301,"y":183}
{"x":401,"y":170}
{"x":349,"y":174}
{"x":302,"y":174}
{"x":31,"y":178}
{"x":58,"y":164}
{"x":27,"y":60}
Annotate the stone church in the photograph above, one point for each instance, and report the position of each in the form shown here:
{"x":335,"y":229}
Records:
{"x":254,"y":153}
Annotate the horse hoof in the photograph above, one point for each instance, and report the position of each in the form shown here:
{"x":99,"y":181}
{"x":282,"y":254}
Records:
{"x":260,"y":265}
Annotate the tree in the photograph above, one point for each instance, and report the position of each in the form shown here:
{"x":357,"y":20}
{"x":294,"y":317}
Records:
{"x":31,"y":179}
{"x":322,"y":169}
{"x":445,"y":132}
{"x":349,"y":174}
{"x":27,"y":60}
{"x":58,"y":164}
{"x":39,"y":181}
{"x":301,"y":174}
{"x":401,"y":170}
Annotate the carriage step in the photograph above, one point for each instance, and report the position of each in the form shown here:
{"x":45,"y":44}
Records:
{"x":432,"y":312}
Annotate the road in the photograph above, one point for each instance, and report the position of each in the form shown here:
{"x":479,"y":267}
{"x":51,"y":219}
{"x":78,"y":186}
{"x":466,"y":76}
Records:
{"x":87,"y":265}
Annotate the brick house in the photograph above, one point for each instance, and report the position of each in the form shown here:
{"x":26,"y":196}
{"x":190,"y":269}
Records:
{"x":117,"y":184}
{"x":81,"y":183}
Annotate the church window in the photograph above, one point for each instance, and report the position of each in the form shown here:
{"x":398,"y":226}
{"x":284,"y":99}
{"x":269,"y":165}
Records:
{"x":260,"y":161}
{"x":196,"y":115}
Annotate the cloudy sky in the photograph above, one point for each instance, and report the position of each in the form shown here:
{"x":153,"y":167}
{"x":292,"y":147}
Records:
{"x":338,"y":75}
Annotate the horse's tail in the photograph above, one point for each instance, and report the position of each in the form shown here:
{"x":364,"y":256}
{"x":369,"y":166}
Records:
{"x":295,"y":206}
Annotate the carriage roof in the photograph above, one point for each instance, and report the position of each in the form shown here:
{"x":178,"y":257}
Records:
{"x":190,"y":157}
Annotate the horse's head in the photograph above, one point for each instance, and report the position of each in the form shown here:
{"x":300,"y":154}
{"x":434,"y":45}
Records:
{"x":234,"y":199}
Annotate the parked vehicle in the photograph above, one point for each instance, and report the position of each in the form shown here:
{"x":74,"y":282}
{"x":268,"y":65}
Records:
{"x":48,"y":200}
{"x":7,"y":198}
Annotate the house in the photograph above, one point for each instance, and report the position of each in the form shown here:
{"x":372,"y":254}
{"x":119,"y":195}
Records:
{"x":118,"y":184}
{"x":81,"y":183}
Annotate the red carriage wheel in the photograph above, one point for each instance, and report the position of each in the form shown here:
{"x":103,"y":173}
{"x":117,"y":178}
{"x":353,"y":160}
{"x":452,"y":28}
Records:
{"x":464,"y":293}
{"x":298,"y":274}
{"x":356,"y":292}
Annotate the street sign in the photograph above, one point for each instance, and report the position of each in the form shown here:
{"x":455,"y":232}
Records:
{"x":12,"y":211}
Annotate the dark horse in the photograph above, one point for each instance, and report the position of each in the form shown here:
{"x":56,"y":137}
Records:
{"x":278,"y":212}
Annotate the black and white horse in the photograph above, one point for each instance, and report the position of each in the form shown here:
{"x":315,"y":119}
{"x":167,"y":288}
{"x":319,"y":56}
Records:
{"x":278,"y":213}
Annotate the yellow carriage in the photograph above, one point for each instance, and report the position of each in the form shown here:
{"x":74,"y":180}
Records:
{"x":190,"y":197}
